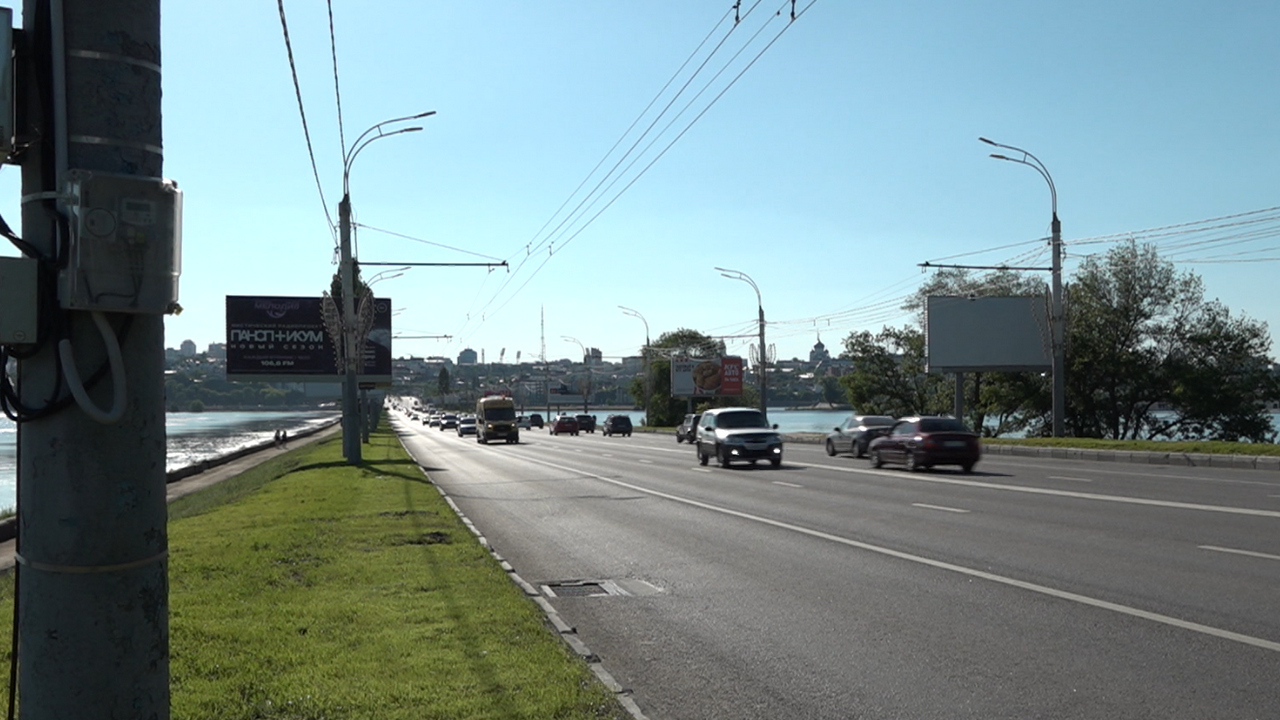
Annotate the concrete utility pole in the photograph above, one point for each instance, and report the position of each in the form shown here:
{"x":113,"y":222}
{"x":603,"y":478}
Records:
{"x":763,"y":365}
{"x":647,"y":390}
{"x":93,"y":601}
{"x":353,"y":345}
{"x":1058,"y":321}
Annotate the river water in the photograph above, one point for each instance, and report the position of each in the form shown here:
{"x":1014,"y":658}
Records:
{"x":192,"y":438}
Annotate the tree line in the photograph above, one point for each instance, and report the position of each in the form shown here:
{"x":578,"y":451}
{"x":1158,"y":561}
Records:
{"x":1147,"y":357}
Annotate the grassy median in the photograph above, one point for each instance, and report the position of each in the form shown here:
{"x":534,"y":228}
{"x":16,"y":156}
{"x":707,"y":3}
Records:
{"x":310,"y":589}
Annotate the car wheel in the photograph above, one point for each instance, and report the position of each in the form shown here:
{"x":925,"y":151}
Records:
{"x":831,"y":448}
{"x":722,"y":455}
{"x":702,"y":457}
{"x":875,"y":459}
{"x":967,"y":468}
{"x":776,"y":462}
{"x":679,"y":438}
{"x":913,"y":462}
{"x":860,"y":449}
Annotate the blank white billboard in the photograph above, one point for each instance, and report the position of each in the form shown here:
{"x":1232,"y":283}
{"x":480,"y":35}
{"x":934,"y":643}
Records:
{"x":987,"y":334}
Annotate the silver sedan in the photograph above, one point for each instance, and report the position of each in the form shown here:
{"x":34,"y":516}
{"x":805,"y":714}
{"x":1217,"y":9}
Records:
{"x":856,"y":433}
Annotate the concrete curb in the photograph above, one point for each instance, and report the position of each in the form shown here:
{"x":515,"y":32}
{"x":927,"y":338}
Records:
{"x":566,"y":632}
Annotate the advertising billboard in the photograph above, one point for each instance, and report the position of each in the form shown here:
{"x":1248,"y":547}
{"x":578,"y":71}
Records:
{"x":987,"y":334}
{"x":711,"y":377}
{"x":283,"y":339}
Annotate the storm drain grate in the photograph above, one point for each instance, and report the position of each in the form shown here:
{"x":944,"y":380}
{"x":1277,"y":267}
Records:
{"x":628,"y":587}
{"x":575,"y":589}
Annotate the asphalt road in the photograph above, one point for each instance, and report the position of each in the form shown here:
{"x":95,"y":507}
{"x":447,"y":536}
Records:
{"x":827,"y":589}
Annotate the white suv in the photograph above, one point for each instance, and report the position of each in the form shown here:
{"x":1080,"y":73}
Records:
{"x":737,"y":433}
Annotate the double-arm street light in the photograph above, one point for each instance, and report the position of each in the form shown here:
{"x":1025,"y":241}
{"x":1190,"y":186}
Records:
{"x":583,"y":348}
{"x":1058,"y":320}
{"x":353,"y":354}
{"x":763,"y":365}
{"x":636,"y":314}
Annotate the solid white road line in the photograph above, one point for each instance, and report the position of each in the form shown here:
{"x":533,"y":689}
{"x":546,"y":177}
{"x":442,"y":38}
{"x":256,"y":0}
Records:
{"x":938,"y":479}
{"x":938,"y":507}
{"x":786,"y":484}
{"x":930,"y":562}
{"x":1064,"y":477}
{"x":1233,"y":551}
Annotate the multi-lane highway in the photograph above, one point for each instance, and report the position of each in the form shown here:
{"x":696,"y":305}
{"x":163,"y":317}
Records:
{"x":827,"y":589}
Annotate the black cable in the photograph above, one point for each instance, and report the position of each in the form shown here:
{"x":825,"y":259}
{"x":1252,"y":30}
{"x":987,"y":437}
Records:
{"x":297,"y":89}
{"x":333,"y":47}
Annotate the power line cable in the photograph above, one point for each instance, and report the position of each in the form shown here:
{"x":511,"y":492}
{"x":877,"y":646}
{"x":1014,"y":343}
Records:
{"x":297,"y":89}
{"x":659,"y":155}
{"x":337,"y":94}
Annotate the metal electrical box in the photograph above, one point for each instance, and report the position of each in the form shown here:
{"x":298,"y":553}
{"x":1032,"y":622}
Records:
{"x":18,"y":300}
{"x":125,"y":251}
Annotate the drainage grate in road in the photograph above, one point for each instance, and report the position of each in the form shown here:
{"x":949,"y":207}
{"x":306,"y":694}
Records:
{"x":600,"y":588}
{"x":575,"y":588}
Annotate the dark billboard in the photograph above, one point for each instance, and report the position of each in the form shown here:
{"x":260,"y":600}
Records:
{"x":283,"y":339}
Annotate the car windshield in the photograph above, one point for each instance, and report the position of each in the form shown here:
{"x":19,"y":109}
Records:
{"x":741,"y":419}
{"x":877,"y":420}
{"x":500,"y":413}
{"x":942,"y":425}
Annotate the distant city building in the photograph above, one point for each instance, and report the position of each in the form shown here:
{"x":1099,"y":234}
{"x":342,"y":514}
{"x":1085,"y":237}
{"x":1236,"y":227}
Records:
{"x":594,"y":356}
{"x":187,"y":348}
{"x":218,"y":351}
{"x":819,"y":352}
{"x":467,"y":357}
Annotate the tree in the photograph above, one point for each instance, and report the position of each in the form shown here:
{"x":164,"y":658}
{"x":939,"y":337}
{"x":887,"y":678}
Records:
{"x":665,"y":410}
{"x":1141,"y":334}
{"x":443,"y":385}
{"x":888,"y":375}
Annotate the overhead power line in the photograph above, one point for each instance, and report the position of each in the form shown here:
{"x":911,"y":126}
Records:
{"x":337,"y":94}
{"x":573,"y":225}
{"x":306,"y":133}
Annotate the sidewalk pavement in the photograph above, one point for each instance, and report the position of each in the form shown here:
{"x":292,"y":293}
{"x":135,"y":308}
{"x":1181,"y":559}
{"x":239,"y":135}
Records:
{"x":185,"y":484}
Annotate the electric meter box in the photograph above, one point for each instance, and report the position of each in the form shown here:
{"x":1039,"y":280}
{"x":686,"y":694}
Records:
{"x":125,"y":250}
{"x":7,"y":97}
{"x":19,"y":290}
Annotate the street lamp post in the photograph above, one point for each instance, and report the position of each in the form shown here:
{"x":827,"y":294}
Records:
{"x":352,"y":355}
{"x":636,"y":314}
{"x":1058,"y":320}
{"x":583,"y":348}
{"x":764,"y":352}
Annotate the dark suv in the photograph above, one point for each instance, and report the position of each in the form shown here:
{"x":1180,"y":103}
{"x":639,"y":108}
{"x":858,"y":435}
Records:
{"x":687,"y":430}
{"x":737,"y":433}
{"x":586,"y":423}
{"x":616,"y":425}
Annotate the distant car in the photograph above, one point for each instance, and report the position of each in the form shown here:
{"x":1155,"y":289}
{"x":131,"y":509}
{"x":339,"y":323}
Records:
{"x":687,"y":430}
{"x":737,"y":433}
{"x":522,"y":422}
{"x":564,"y":424}
{"x":434,"y":421}
{"x":923,"y":442}
{"x":448,"y":421}
{"x":466,"y":426}
{"x":855,"y":434}
{"x":586,"y":423}
{"x":616,"y":425}
{"x":535,"y":420}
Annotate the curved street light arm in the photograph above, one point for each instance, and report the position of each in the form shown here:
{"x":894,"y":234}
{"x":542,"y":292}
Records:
{"x":347,"y":155}
{"x":636,"y":314}
{"x":355,"y":150}
{"x":739,"y":275}
{"x":1030,"y":161}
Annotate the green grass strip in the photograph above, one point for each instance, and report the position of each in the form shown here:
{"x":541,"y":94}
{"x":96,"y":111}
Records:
{"x":1159,"y":446}
{"x":309,"y":589}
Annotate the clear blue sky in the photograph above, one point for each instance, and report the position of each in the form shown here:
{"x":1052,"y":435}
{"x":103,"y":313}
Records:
{"x":843,"y":157}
